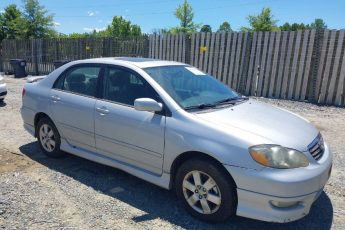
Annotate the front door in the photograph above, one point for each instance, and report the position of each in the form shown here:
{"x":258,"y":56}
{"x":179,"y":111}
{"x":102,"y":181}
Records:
{"x":132,"y":137}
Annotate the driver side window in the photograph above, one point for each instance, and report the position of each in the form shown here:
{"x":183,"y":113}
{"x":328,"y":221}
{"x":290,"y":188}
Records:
{"x":125,"y":87}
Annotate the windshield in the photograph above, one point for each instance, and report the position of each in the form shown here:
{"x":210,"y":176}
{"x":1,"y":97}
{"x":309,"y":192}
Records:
{"x":190,"y":87}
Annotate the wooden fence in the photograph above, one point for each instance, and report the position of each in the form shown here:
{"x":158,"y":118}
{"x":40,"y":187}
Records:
{"x":40,"y":54}
{"x":298,"y":65}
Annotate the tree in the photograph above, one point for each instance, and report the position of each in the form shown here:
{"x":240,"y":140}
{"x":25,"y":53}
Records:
{"x":206,"y":29}
{"x":225,"y":27}
{"x":262,"y":22}
{"x":11,"y":23}
{"x":38,"y":24}
{"x":318,"y":24}
{"x":122,"y":28}
{"x":293,"y":27}
{"x":185,"y":14}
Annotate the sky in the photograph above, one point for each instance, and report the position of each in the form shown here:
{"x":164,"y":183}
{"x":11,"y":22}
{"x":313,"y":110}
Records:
{"x":86,"y":15}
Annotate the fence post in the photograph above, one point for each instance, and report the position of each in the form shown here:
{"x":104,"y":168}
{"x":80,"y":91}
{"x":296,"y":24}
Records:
{"x":35,"y":54}
{"x":245,"y":62}
{"x":315,"y":62}
{"x":187,"y":53}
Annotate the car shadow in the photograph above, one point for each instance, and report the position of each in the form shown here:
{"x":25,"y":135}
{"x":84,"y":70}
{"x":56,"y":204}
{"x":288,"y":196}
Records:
{"x":2,"y":104}
{"x":160,"y":203}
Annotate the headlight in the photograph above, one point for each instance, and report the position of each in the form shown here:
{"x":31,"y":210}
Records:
{"x":276,"y":156}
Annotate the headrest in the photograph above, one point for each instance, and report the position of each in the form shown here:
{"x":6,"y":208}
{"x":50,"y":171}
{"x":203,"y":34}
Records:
{"x":76,"y":77}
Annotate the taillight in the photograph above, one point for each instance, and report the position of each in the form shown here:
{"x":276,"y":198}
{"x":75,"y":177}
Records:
{"x":23,"y":92}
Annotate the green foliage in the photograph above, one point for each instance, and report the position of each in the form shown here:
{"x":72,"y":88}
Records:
{"x":318,"y":24}
{"x":122,"y":28}
{"x":262,"y":22}
{"x":206,"y":29}
{"x":185,"y":14}
{"x":225,"y":27}
{"x":294,"y":27}
{"x":11,"y":23}
{"x":37,"y":23}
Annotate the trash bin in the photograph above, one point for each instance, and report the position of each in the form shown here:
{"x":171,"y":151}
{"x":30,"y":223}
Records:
{"x":18,"y":66}
{"x":59,"y":63}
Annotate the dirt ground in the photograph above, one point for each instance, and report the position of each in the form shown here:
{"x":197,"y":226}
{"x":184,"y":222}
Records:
{"x":37,"y":192}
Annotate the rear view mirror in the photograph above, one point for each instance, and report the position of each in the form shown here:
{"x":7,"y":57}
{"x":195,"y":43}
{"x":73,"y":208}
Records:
{"x":147,"y":104}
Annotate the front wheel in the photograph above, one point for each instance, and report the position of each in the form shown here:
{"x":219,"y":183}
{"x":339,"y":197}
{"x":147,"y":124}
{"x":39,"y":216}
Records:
{"x":205,"y":191}
{"x":49,"y":138}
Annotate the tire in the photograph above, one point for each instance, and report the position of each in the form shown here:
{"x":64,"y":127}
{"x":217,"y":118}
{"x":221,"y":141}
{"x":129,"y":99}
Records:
{"x":49,"y":138}
{"x":222,"y":194}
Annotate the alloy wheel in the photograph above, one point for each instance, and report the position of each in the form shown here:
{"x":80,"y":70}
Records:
{"x":201,"y":192}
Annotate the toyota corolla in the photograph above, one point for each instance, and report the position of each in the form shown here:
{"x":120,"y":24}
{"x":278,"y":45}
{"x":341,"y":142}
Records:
{"x":179,"y":128}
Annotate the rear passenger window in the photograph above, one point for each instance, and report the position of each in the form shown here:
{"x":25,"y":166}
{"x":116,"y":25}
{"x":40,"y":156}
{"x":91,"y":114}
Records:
{"x":80,"y":80}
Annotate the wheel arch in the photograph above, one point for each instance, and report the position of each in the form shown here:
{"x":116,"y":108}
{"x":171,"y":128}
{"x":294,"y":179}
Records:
{"x":38,"y":117}
{"x":196,"y":155}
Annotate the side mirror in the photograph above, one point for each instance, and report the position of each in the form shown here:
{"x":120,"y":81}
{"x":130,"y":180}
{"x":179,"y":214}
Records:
{"x":147,"y":104}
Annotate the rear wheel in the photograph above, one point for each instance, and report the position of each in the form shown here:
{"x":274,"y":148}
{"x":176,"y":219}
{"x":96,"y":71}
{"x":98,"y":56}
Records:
{"x":205,"y":191}
{"x":49,"y":138}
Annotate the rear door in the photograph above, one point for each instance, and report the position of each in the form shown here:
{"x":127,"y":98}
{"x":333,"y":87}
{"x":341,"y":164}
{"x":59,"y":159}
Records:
{"x":123,"y":133}
{"x":73,"y":99}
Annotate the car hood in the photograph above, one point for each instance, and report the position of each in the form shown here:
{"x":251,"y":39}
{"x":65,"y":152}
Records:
{"x":275,"y":125}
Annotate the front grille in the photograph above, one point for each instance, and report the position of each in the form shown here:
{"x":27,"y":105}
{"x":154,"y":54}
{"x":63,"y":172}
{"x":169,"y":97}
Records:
{"x":317,"y":147}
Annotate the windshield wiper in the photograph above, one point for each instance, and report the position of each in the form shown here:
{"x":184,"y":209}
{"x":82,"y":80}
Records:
{"x":231,"y":100}
{"x":200,"y":106}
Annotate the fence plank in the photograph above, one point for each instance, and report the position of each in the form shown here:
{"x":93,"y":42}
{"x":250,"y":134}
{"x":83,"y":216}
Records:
{"x":321,"y":65}
{"x":251,"y":67}
{"x":192,"y":53}
{"x":301,"y":66}
{"x":263,"y":63}
{"x":287,"y":69}
{"x":176,"y":47}
{"x":307,"y":65}
{"x":227,"y":57}
{"x":337,"y":61}
{"x":275,"y":66}
{"x":237,"y":62}
{"x":257,"y":64}
{"x":292,"y":80}
{"x":268,"y":66}
{"x":215,"y":56}
{"x":210,"y":61}
{"x":340,"y":96}
{"x":180,"y":46}
{"x":197,"y":49}
{"x":232,"y":59}
{"x":244,"y":64}
{"x":201,"y":53}
{"x":327,"y":71}
{"x":281,"y":65}
{"x":221,"y":56}
{"x":207,"y":45}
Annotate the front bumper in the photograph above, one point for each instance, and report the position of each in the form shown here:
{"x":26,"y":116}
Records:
{"x":259,"y":192}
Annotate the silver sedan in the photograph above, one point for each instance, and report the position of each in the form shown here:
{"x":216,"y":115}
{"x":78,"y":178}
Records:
{"x":179,"y":128}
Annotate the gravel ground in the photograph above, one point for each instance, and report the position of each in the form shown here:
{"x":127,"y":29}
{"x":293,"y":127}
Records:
{"x":37,"y":192}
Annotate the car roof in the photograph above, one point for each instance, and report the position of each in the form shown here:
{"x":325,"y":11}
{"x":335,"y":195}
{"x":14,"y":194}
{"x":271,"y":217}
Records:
{"x":136,"y":61}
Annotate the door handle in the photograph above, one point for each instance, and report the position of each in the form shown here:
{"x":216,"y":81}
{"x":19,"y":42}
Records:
{"x":102,"y":110}
{"x":55,"y":98}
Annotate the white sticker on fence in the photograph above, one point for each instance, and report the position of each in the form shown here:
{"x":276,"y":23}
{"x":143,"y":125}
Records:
{"x":195,"y":71}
